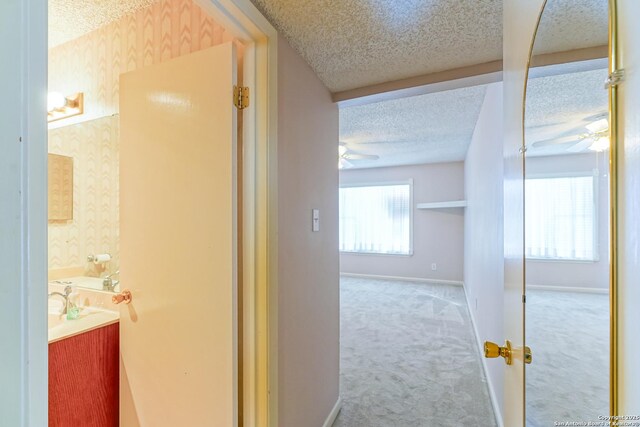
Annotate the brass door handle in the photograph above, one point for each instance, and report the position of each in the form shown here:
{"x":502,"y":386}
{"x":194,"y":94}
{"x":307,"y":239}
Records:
{"x":124,"y":296}
{"x":527,"y":355}
{"x":492,"y":350}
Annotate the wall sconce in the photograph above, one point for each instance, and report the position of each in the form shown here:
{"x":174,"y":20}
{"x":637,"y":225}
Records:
{"x":61,"y":107}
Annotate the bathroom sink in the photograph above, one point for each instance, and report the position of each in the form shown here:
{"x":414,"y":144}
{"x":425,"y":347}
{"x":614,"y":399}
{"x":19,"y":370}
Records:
{"x":55,"y":319}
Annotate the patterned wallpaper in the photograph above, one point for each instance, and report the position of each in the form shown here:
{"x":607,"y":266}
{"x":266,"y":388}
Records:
{"x":94,"y":227}
{"x":92,"y":64}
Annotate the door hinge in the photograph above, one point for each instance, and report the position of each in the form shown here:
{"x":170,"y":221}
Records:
{"x":614,"y":79}
{"x":524,"y":299}
{"x":241,"y":97}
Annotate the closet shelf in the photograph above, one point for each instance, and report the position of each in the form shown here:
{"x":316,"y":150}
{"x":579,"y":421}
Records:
{"x":443,"y":205}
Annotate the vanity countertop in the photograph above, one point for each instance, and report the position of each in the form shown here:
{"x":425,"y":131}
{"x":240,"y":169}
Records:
{"x":90,"y":319}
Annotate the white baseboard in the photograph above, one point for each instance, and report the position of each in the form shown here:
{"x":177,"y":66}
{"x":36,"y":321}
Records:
{"x":333,"y":414}
{"x":492,"y":391}
{"x":403,"y":279}
{"x":568,"y":289}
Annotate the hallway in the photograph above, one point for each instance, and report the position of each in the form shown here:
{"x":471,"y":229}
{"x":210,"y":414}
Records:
{"x":409,"y":357}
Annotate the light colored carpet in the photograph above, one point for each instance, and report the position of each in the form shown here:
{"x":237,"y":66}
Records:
{"x":569,"y":338}
{"x":409,"y":357}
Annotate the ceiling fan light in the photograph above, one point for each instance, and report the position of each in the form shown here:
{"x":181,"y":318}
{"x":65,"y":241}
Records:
{"x":600,"y":144}
{"x":598,"y":126}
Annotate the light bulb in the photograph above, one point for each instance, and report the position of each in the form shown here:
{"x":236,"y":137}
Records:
{"x":600,"y":144}
{"x":55,"y":101}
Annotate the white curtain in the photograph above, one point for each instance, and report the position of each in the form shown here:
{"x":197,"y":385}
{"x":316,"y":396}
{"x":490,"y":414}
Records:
{"x":559,"y":218}
{"x":376,"y":219}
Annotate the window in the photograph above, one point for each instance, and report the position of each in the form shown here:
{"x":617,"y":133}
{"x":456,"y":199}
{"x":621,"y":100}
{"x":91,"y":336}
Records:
{"x":376,"y":219}
{"x":560,"y":218}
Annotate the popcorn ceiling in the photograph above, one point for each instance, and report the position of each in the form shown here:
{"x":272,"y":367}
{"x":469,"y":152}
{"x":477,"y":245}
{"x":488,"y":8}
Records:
{"x":430,"y":128}
{"x":70,"y":19}
{"x":356,"y":43}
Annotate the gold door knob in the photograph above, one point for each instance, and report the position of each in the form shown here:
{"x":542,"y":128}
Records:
{"x":527,"y":355}
{"x":492,"y":350}
{"x":124,"y":296}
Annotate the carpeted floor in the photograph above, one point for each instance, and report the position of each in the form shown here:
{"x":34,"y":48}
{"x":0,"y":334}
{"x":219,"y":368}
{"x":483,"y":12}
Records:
{"x":569,"y":338}
{"x":409,"y":357}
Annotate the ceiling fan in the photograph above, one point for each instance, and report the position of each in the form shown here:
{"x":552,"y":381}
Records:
{"x":595,"y":139}
{"x":345,"y":154}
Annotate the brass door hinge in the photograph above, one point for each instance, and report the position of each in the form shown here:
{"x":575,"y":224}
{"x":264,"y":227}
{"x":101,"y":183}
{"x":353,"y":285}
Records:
{"x":241,"y":97}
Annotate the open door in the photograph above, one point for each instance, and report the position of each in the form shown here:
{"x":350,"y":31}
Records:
{"x":178,"y":242}
{"x":520,"y":20}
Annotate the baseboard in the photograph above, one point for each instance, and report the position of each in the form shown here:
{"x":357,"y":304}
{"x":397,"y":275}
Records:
{"x":479,"y":342}
{"x":568,"y":289}
{"x":403,"y":279}
{"x":333,"y":414}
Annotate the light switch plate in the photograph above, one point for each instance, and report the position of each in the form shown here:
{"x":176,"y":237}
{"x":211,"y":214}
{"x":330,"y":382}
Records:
{"x":315,"y":220}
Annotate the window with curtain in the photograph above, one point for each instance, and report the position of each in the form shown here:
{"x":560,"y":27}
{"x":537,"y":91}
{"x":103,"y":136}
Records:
{"x":560,"y":218}
{"x":376,"y":219}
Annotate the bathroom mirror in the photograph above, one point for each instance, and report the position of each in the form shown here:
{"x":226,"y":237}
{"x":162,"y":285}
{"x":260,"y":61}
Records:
{"x":567,"y":215}
{"x":60,"y":188}
{"x":94,"y":227}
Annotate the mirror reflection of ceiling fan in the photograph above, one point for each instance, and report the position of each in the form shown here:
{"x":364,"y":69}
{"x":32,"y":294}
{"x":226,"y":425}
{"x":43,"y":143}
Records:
{"x":596,"y":139}
{"x":345,"y":154}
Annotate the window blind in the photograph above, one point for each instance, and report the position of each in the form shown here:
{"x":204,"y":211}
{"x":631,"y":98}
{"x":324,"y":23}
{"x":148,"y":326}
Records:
{"x":376,"y":219}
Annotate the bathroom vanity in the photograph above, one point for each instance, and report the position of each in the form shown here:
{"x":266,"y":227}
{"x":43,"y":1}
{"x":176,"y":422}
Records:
{"x":84,"y":365}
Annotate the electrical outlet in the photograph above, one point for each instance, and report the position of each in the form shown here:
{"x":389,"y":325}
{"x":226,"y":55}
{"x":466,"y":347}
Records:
{"x":434,"y":266}
{"x":315,"y":220}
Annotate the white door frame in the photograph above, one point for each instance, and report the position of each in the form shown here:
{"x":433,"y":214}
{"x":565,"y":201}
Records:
{"x":23,"y":216}
{"x":23,"y":212}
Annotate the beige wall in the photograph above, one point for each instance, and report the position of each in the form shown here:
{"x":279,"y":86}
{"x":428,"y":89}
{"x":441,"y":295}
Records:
{"x":308,"y":277}
{"x":483,"y":232}
{"x":92,"y":64}
{"x":437,"y":234}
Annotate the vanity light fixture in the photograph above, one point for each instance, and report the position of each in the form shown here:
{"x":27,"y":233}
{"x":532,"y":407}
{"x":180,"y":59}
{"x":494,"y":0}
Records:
{"x":61,"y":107}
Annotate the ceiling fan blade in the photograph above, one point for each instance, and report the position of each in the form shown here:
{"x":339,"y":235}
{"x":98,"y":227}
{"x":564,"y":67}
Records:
{"x":355,"y":156}
{"x":556,"y":141}
{"x":581,"y":146}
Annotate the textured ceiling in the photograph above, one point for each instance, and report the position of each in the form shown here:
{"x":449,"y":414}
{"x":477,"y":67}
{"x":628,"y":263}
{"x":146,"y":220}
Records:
{"x":438,"y":127}
{"x":429,"y":128}
{"x":356,"y":43}
{"x":70,"y":19}
{"x":560,"y":106}
{"x":572,"y":24}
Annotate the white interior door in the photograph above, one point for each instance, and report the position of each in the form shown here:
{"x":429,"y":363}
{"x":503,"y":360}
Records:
{"x":628,"y":209}
{"x":520,"y":20}
{"x":178,"y":242}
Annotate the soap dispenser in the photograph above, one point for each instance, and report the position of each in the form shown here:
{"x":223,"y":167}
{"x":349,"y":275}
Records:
{"x":73,"y":311}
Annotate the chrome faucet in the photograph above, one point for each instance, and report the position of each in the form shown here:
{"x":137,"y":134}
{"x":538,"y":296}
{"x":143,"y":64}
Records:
{"x":108,"y":284}
{"x":65,"y":297}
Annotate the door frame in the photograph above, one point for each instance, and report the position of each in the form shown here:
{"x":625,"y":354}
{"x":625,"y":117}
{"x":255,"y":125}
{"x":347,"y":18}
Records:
{"x":24,"y":325}
{"x":259,"y":195}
